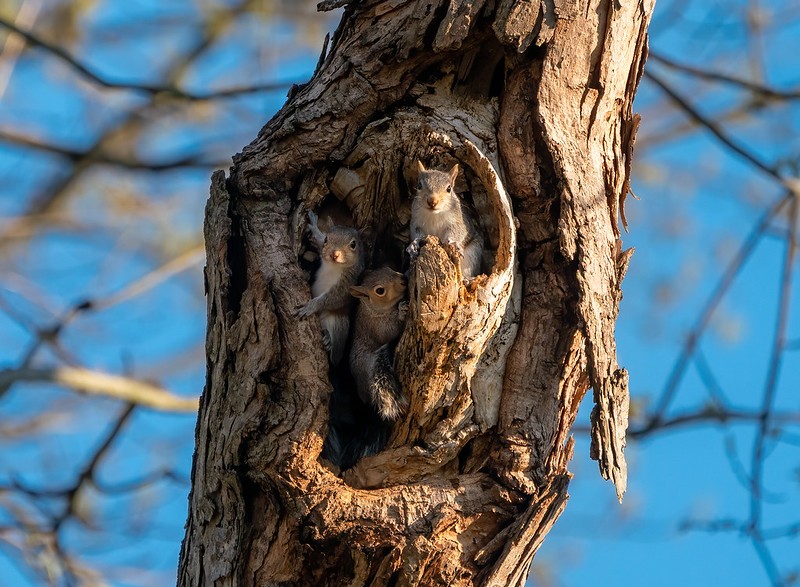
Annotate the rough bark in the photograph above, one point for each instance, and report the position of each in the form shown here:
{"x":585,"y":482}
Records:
{"x":533,"y":99}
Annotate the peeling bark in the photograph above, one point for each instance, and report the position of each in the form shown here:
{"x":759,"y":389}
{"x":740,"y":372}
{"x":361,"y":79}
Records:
{"x":533,"y":100}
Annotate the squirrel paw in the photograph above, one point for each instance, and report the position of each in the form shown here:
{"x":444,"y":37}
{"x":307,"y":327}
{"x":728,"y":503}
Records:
{"x":326,"y":341}
{"x":316,"y":234}
{"x":304,"y":311}
{"x":402,"y":310}
{"x":454,"y":249}
{"x":413,"y":248}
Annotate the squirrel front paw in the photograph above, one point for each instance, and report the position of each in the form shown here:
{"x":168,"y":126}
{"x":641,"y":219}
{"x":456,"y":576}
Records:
{"x":402,"y":310}
{"x":304,"y":311}
{"x":326,"y":341}
{"x":454,"y":249}
{"x":413,"y":248}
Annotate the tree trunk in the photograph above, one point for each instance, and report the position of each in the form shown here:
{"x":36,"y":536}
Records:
{"x":533,"y":99}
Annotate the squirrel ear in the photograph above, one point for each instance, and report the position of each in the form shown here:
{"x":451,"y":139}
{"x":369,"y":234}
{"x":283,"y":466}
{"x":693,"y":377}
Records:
{"x":366,"y":233}
{"x":358,"y":292}
{"x":453,"y":174}
{"x":420,"y":167}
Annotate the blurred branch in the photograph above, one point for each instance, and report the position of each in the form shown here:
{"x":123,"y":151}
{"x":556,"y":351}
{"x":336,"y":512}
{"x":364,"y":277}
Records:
{"x":14,"y":44}
{"x":713,"y":127}
{"x":39,"y":423}
{"x":152,"y":89}
{"x":133,"y":485}
{"x":720,"y":77}
{"x":90,"y":470}
{"x":94,"y":155}
{"x":213,"y":28}
{"x":104,"y":384}
{"x":172,"y":267}
{"x":692,"y":339}
{"x":709,"y":415}
{"x":770,"y":389}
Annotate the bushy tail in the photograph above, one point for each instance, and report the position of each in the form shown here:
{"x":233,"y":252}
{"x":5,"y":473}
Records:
{"x":385,"y":392}
{"x":357,"y":428}
{"x":353,"y":434}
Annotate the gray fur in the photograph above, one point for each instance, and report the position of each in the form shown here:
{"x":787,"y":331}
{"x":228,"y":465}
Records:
{"x":438,"y":211}
{"x":379,"y":322}
{"x":333,"y":302}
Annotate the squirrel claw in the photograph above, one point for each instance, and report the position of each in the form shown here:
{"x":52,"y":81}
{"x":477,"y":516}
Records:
{"x":413,"y":248}
{"x":455,"y":249}
{"x":303,"y":311}
{"x":326,"y":341}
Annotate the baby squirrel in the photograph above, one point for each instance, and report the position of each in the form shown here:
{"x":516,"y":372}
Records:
{"x":379,"y":322}
{"x":437,"y":210}
{"x":342,"y":262}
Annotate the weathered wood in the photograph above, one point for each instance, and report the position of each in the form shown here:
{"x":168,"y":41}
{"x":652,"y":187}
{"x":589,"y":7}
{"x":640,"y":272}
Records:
{"x":533,"y":100}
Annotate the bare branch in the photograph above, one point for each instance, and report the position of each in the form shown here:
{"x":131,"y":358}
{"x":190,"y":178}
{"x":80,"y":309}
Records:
{"x":172,"y":267}
{"x":768,"y":398}
{"x":713,"y":127}
{"x":679,"y":369}
{"x":152,"y":89}
{"x":104,"y":384}
{"x":711,"y":415}
{"x":720,"y":77}
{"x":93,"y":155}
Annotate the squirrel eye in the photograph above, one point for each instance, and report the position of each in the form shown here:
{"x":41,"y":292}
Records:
{"x":380,"y":291}
{"x":419,"y":186}
{"x":325,"y":242}
{"x":448,"y":189}
{"x":353,"y":244}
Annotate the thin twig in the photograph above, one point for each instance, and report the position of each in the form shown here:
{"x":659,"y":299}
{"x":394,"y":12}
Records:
{"x":151,"y":89}
{"x":93,"y":155}
{"x":728,"y":79}
{"x":768,"y":398}
{"x":713,"y":127}
{"x":182,"y":262}
{"x":679,"y":369}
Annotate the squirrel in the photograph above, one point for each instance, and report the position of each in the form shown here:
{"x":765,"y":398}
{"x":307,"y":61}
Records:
{"x":438,"y":211}
{"x":379,"y":322}
{"x":342,"y":262}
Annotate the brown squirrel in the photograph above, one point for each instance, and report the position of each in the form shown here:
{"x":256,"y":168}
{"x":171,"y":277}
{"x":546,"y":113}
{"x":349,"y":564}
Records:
{"x":379,"y":322}
{"x":438,"y":211}
{"x":342,"y":261}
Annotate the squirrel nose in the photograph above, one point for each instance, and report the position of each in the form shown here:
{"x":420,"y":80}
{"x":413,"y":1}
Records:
{"x":431,"y":202}
{"x":336,"y":255}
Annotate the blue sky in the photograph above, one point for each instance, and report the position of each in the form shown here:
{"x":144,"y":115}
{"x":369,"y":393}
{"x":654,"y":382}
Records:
{"x":697,"y":204}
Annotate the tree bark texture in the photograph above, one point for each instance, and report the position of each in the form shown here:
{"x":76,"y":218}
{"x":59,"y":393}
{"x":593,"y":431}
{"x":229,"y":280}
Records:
{"x":534,"y":100}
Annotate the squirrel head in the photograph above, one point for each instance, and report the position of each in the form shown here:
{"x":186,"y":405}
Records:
{"x":436,"y":188}
{"x":342,"y":246}
{"x":382,"y":289}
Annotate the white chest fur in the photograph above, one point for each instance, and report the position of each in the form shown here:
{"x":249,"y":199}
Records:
{"x":327,"y":276}
{"x":438,"y":224}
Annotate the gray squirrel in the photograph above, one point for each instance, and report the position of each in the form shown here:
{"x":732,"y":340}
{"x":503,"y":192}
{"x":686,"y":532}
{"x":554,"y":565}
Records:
{"x":379,"y":322}
{"x":438,"y":211}
{"x":342,"y":260}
